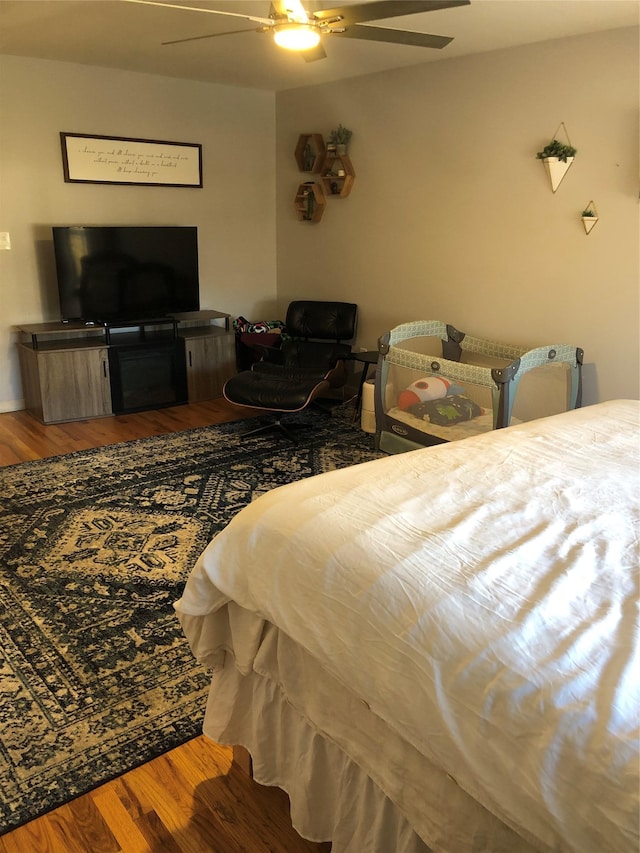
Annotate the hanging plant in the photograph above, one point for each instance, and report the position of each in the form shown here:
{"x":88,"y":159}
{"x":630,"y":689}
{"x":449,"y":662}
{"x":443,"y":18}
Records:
{"x":589,"y":216}
{"x":557,"y":149}
{"x":557,"y":158}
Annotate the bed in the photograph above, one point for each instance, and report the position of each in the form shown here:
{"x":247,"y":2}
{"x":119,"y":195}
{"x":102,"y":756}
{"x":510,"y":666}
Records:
{"x":438,"y":650}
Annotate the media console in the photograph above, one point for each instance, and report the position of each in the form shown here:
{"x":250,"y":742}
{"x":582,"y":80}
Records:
{"x":72,"y":371}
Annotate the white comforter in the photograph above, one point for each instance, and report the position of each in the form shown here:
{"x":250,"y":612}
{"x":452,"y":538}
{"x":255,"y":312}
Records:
{"x":482,"y":598}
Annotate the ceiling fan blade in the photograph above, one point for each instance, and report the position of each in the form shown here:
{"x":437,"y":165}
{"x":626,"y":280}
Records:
{"x":380,"y":9}
{"x":266,"y":21}
{"x":390,"y":36}
{"x":209,"y":36}
{"x":293,"y":10}
{"x":313,"y":54}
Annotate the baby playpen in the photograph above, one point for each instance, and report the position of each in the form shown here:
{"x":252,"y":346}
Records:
{"x":435,"y":384}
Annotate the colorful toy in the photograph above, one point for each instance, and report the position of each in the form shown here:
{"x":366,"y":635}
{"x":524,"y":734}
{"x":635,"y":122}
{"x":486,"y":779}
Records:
{"x":427,"y":388}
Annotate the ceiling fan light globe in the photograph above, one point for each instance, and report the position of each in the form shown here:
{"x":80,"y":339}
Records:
{"x":296,"y":36}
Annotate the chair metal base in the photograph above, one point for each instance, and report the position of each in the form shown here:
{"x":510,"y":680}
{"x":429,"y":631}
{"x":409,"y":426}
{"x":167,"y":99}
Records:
{"x":287,"y":430}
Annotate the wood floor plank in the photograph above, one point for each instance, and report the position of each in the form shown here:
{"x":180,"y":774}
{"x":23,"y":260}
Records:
{"x":121,"y":823}
{"x":131,"y":795}
{"x":162,"y":800}
{"x":215,"y":795}
{"x":48,"y":834}
{"x":83,"y":821}
{"x":171,"y":797}
{"x":203,"y":754}
{"x":191,"y":800}
{"x":9,"y":455}
{"x":157,"y":835}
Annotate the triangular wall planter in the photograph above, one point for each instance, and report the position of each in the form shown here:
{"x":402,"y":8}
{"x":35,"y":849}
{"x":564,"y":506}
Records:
{"x":590,"y":221}
{"x":557,"y":169}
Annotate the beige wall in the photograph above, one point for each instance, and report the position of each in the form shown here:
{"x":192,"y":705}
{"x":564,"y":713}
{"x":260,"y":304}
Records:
{"x":452,"y":217}
{"x":234,"y":211}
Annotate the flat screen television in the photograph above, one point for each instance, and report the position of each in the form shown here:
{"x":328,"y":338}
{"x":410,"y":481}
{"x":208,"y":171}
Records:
{"x":112,"y":273}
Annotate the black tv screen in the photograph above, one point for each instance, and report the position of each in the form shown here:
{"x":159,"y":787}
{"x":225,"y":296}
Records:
{"x":111,"y":273}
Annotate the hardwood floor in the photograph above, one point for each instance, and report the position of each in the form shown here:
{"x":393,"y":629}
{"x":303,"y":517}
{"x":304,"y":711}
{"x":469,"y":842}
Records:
{"x":23,"y":438}
{"x":190,"y":800}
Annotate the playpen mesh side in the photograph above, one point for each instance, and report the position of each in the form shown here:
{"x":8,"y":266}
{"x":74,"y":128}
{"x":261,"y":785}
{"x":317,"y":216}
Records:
{"x":491,"y":383}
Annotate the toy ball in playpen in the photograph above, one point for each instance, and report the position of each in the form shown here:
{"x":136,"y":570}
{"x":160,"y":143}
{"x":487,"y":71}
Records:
{"x":427,"y":388}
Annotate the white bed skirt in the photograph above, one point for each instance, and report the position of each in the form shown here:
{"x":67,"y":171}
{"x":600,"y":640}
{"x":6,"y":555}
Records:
{"x":332,"y":799}
{"x":350,"y":778}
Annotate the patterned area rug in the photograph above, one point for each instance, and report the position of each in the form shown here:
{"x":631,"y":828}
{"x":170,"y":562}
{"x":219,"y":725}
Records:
{"x":96,"y":676}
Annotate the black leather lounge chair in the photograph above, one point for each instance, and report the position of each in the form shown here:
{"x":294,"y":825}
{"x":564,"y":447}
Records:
{"x":310,"y":361}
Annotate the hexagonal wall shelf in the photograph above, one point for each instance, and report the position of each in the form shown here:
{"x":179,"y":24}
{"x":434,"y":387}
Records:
{"x":310,"y":152}
{"x":309,"y":202}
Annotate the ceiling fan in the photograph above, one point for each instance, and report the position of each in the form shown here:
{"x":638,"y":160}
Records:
{"x":295,"y":28}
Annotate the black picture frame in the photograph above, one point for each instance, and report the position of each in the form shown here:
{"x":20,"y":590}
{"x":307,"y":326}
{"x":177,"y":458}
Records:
{"x":92,"y":159}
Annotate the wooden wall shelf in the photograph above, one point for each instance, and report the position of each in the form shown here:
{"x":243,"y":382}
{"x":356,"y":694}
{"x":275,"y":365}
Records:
{"x":335,"y":171}
{"x":310,"y":152}
{"x":334,"y":183}
{"x":310,"y":202}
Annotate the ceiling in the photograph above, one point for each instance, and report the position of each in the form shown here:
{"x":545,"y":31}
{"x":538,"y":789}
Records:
{"x":125,"y":35}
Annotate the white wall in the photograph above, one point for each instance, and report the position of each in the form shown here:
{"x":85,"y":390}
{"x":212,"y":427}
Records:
{"x":452,"y":217}
{"x":234,"y":211}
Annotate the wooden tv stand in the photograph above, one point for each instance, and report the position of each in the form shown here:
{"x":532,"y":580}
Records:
{"x":65,"y":367}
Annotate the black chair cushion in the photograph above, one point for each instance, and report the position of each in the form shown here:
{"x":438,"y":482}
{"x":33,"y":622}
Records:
{"x":310,"y":354}
{"x":329,"y":321}
{"x":282,"y":390}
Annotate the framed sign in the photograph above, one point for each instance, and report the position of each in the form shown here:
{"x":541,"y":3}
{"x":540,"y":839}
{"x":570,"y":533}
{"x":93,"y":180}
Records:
{"x":89,"y":159}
